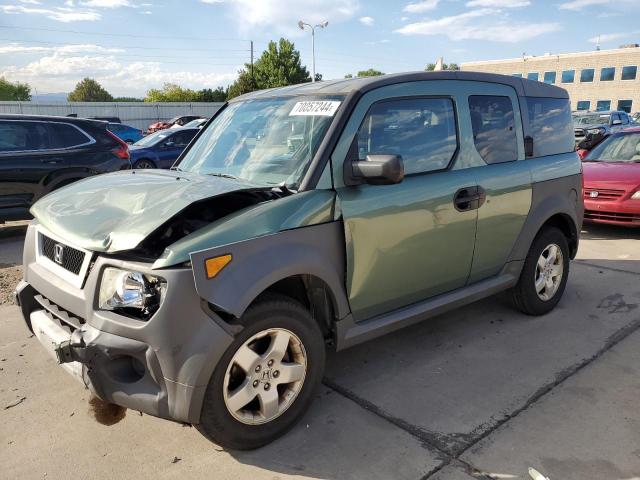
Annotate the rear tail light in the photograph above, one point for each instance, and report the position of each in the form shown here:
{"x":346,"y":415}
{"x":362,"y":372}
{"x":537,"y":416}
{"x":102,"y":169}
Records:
{"x":122,"y":150}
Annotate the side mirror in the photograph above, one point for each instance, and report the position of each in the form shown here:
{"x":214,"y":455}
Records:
{"x":379,"y":169}
{"x":616,"y":122}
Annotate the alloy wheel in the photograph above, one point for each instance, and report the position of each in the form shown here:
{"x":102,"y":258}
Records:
{"x":265,"y":376}
{"x":549,"y":271}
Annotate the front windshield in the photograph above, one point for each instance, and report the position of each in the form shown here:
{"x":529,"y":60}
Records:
{"x":618,"y":148}
{"x":264,"y":141}
{"x":592,"y":120}
{"x":152,"y":139}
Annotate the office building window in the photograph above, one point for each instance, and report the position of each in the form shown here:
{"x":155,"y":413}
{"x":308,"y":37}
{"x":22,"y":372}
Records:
{"x":568,"y":76}
{"x":625,"y":105}
{"x":519,"y":75}
{"x":586,"y":75}
{"x":603,"y":105}
{"x":550,"y":77}
{"x":607,"y":74}
{"x":532,"y":76}
{"x":629,"y":73}
{"x":583,"y":105}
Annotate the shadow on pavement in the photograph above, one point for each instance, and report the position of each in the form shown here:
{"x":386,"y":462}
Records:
{"x":595,"y":231}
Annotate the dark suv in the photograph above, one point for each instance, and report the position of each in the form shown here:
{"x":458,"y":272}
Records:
{"x":39,"y":154}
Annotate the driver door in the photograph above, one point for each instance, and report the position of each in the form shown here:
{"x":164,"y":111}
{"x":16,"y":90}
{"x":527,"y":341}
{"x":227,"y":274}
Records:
{"x":410,"y":241}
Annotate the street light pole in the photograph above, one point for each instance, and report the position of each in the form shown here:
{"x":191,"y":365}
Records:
{"x":301,"y":25}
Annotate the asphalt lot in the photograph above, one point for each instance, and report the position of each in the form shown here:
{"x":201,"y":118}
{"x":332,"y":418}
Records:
{"x":482,"y":392}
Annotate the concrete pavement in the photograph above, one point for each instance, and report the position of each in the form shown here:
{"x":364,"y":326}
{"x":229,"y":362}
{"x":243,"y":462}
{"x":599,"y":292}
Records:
{"x":482,"y":392}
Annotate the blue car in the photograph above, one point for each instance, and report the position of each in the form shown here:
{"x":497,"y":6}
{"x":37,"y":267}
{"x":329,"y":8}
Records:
{"x":125,"y":132}
{"x":161,"y":149}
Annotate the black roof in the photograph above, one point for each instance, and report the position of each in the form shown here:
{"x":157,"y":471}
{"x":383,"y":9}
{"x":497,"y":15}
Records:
{"x":522,"y":86}
{"x":53,"y":118}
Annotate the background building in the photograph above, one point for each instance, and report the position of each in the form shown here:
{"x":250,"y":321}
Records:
{"x":598,"y":80}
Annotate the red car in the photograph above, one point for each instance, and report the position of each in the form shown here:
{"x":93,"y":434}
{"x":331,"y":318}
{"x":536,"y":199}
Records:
{"x":154,"y":127}
{"x":612,"y":180}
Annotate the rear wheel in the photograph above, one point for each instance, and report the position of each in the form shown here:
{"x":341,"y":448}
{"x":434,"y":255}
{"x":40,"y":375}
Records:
{"x":266,"y":379}
{"x":544,"y":274}
{"x":144,"y":163}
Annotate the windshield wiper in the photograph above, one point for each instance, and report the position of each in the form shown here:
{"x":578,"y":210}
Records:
{"x":223,"y":175}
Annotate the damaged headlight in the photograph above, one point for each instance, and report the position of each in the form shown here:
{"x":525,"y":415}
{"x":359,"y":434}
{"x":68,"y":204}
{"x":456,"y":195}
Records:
{"x":131,"y":293}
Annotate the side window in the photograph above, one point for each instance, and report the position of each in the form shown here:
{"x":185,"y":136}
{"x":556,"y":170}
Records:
{"x":550,"y":125}
{"x":182,"y":139}
{"x":421,"y":130}
{"x":64,"y":135}
{"x":494,"y":131}
{"x":23,"y":136}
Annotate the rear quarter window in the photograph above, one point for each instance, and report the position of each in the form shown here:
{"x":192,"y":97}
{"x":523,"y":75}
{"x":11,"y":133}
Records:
{"x":550,"y":125}
{"x":64,"y":135}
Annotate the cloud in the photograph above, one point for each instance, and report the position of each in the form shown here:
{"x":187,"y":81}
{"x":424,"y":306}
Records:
{"x":419,"y":7}
{"x":282,"y":16}
{"x":106,"y":3}
{"x":610,"y":37}
{"x":368,"y":21}
{"x":57,"y":73}
{"x":483,"y":24}
{"x":59,"y":14}
{"x":30,"y":2}
{"x":14,"y":48}
{"x":211,"y":2}
{"x":499,"y":3}
{"x":580,"y":4}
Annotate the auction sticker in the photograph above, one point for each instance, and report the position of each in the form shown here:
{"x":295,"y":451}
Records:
{"x":322,"y":108}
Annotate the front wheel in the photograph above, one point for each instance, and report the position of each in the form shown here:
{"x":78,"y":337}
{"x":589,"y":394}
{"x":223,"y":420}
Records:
{"x":266,"y":379}
{"x":544,"y":274}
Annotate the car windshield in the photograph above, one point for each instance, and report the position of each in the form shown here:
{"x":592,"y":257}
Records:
{"x":195,"y":123}
{"x":618,"y":148}
{"x":592,"y":120}
{"x":152,"y":139}
{"x":265,"y":141}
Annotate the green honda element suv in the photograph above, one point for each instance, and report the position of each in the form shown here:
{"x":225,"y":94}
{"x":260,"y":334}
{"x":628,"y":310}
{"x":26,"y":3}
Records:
{"x":300,"y":218}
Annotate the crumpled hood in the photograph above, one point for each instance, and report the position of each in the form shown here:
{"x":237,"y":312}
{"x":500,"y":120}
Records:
{"x":116,"y":211}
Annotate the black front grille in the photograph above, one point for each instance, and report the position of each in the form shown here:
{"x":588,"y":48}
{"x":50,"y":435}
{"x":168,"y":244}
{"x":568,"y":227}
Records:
{"x":67,"y":257}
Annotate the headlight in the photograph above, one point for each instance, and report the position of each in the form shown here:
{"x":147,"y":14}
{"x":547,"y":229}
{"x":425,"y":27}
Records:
{"x":636,"y":196}
{"x":595,"y":131}
{"x":131,"y":293}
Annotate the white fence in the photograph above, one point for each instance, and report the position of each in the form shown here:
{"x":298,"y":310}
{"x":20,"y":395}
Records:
{"x":136,"y":114}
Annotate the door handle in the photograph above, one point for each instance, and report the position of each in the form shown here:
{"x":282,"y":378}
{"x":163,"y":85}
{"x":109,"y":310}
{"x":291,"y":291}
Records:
{"x":51,"y":161}
{"x":469,"y":198}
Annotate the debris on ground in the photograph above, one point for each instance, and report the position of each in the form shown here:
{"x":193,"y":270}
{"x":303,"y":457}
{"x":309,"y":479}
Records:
{"x":9,"y":278}
{"x":175,"y":460}
{"x":106,"y":413}
{"x":15,"y":403}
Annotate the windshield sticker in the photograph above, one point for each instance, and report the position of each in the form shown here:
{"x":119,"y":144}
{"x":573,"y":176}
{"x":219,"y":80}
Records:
{"x":323,"y":108}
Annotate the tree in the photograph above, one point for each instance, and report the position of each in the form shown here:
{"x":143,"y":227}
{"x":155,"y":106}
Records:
{"x":20,"y":92}
{"x":171,"y":92}
{"x":452,"y":66}
{"x":217,"y":95}
{"x":88,"y":90}
{"x":278,"y":66}
{"x":127,"y":99}
{"x":372,"y":72}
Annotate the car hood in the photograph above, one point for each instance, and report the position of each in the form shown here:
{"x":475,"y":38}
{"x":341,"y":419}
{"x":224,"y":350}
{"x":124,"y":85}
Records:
{"x":116,"y":211}
{"x":620,"y":175}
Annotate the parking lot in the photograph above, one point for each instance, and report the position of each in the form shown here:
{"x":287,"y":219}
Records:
{"x":482,"y":392}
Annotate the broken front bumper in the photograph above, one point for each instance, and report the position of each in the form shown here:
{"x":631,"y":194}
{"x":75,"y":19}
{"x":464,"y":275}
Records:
{"x":160,"y":367}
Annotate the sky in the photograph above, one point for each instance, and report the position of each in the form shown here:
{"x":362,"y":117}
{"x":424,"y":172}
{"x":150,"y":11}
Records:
{"x":130,"y":46}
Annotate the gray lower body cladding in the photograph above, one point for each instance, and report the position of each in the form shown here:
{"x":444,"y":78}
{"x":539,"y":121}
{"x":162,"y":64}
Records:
{"x":160,"y":367}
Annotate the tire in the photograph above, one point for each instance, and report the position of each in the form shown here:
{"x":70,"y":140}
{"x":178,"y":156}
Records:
{"x":255,"y":425}
{"x":527,"y":295}
{"x":144,"y":164}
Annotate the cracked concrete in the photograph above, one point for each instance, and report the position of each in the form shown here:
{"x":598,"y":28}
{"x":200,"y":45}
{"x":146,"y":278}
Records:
{"x":479,"y":393}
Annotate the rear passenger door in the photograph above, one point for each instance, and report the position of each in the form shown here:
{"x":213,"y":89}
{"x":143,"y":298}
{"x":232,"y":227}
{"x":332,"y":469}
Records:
{"x":411,"y":241}
{"x":503,"y":175}
{"x":25,"y":160}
